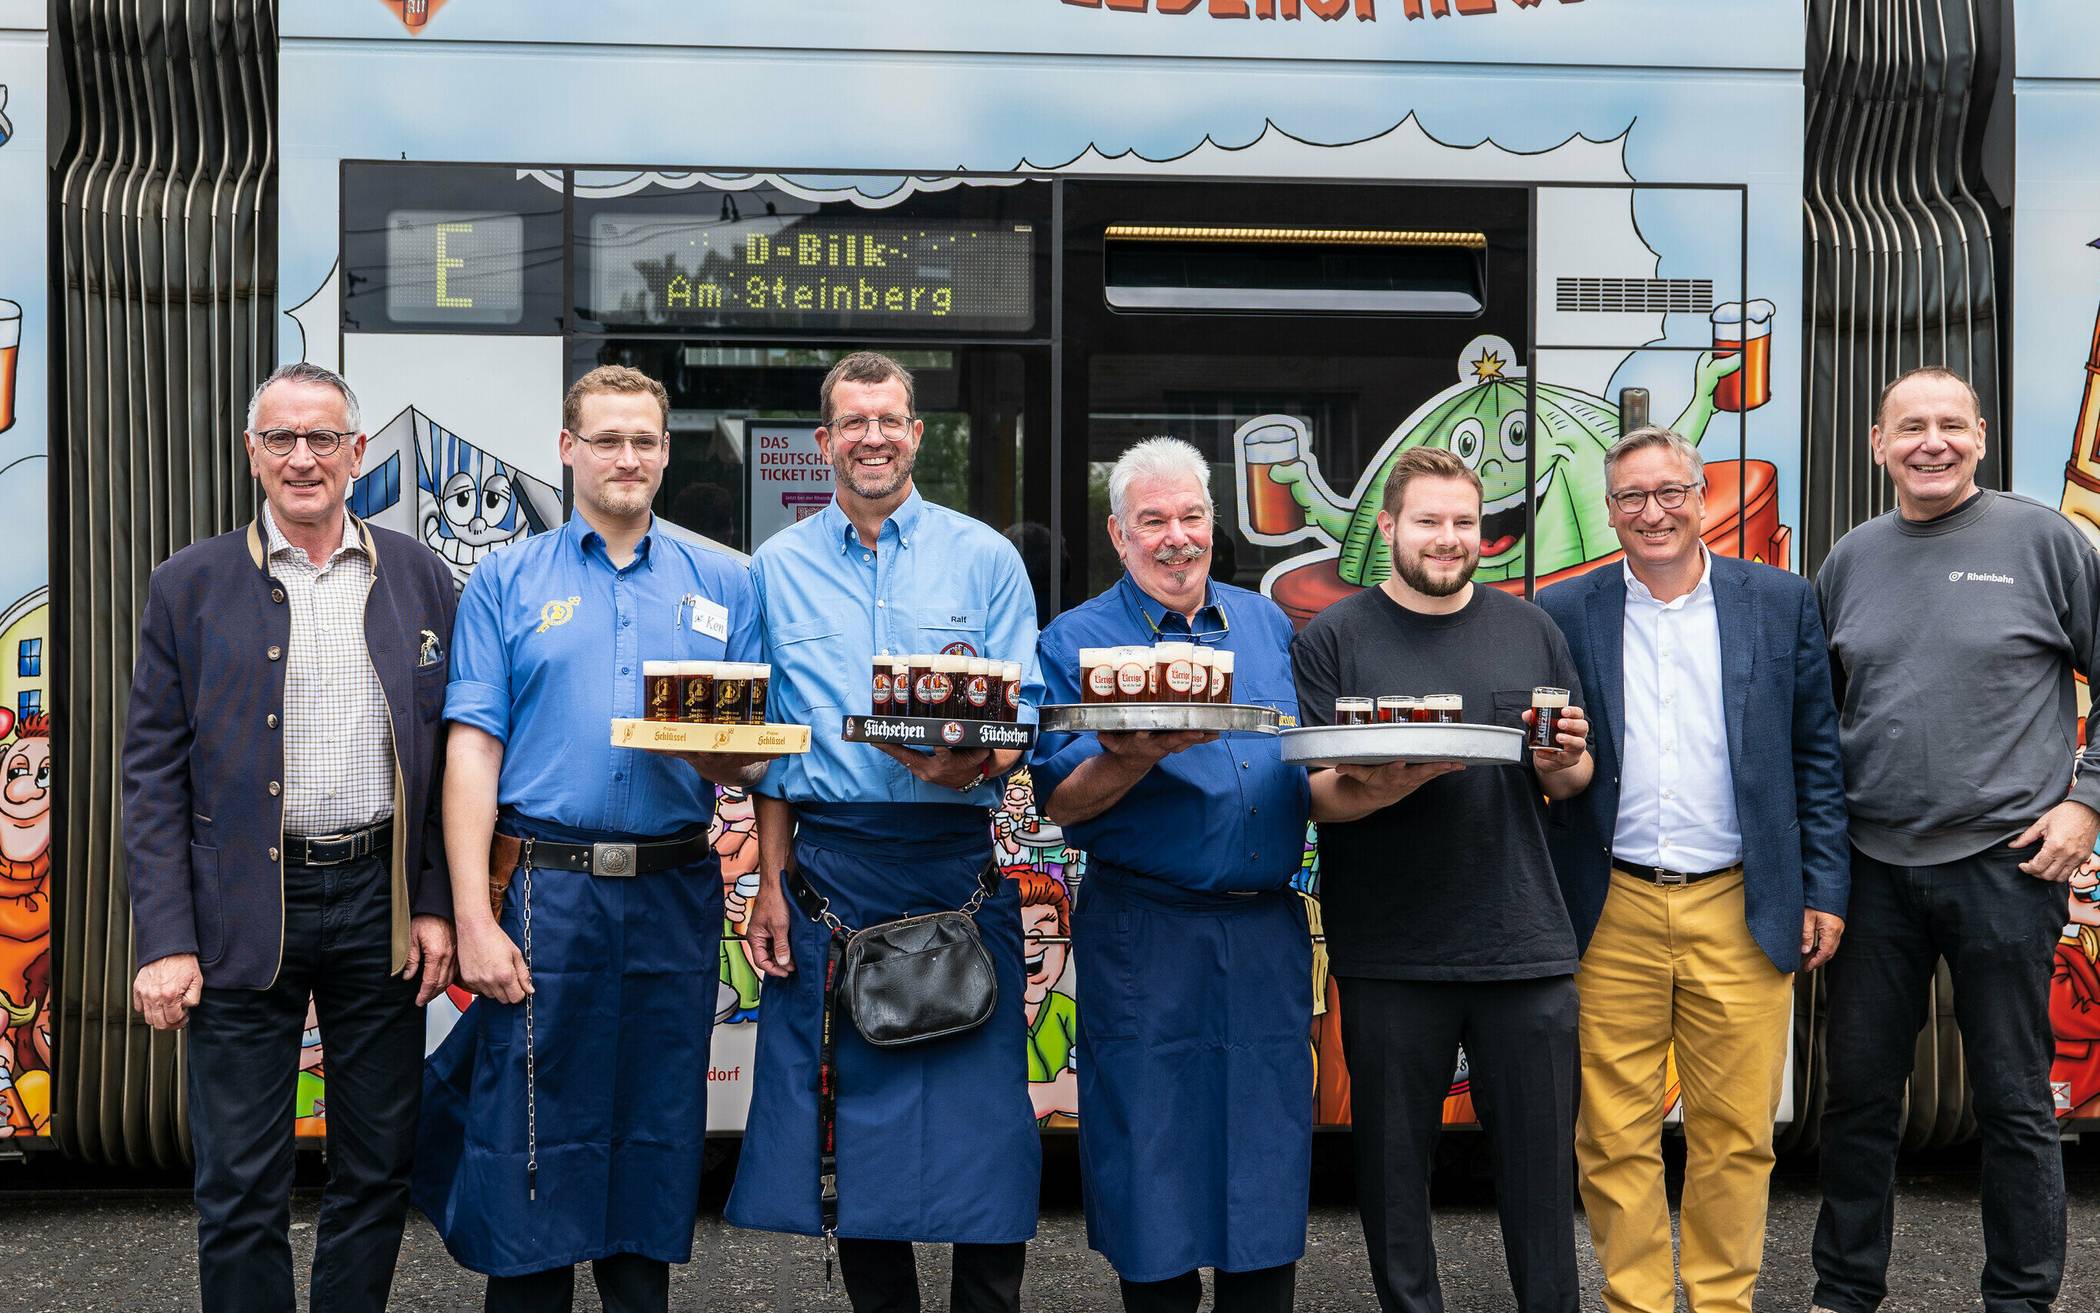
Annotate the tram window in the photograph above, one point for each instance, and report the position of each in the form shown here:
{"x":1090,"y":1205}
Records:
{"x":744,"y":462}
{"x":1294,"y":270}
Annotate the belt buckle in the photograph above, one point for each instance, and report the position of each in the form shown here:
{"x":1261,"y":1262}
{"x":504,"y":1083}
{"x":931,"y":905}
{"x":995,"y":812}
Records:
{"x":1671,"y":877}
{"x":612,"y":859}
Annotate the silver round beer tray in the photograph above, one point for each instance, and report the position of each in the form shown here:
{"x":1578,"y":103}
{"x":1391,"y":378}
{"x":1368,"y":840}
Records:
{"x":1377,"y":745}
{"x":1127,"y":717}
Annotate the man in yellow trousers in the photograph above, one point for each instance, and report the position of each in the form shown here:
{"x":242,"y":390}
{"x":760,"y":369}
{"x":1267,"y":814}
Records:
{"x":1705,"y":864}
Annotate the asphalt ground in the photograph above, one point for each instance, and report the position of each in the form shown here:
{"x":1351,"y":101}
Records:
{"x":127,"y":1243}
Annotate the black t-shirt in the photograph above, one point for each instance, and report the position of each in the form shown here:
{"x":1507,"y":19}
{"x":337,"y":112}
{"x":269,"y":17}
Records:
{"x":1453,"y":882}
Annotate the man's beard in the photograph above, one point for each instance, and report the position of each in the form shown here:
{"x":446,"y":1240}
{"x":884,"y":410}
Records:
{"x":1180,"y":560}
{"x":624,"y":500}
{"x":845,"y":471}
{"x":1416,"y":576}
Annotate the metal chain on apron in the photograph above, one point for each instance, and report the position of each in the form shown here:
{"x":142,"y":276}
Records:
{"x":532,"y":1110}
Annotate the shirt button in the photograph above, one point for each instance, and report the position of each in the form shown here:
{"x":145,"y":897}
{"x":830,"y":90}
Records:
{"x":275,"y":652}
{"x":273,"y":720}
{"x":880,"y":602}
{"x":623,"y":670}
{"x":867,"y":556}
{"x":275,"y":788}
{"x":623,"y":622}
{"x":1245,"y":766}
{"x":1252,"y":810}
{"x":619,"y":776}
{"x":277,"y":594}
{"x":273,"y":854}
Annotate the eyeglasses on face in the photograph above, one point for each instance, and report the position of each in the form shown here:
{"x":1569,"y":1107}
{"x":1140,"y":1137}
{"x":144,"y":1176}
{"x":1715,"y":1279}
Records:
{"x":1632,"y":501}
{"x":606,"y":446}
{"x":855,"y":427}
{"x":321,"y":442}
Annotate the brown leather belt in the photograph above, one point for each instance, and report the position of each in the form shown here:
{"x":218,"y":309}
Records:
{"x":1659,"y":875}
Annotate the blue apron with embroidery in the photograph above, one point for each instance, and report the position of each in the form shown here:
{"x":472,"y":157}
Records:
{"x":624,"y":972}
{"x":936,"y":1141}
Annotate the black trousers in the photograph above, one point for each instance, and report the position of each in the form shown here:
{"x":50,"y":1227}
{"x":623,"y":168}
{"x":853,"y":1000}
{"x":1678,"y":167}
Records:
{"x":1264,"y":1290}
{"x":1401,"y":1038}
{"x":1997,"y":927}
{"x":882,"y":1276}
{"x":627,"y":1283}
{"x":243,"y":1072}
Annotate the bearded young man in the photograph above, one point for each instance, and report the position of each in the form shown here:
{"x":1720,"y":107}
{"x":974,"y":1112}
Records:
{"x":1445,"y":925}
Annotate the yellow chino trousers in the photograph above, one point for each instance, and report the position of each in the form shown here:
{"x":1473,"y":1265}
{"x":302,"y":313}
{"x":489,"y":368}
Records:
{"x":1676,"y":964}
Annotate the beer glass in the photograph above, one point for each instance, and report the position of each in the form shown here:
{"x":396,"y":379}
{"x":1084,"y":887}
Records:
{"x":732,"y":693}
{"x":1271,"y":510}
{"x":660,"y":700}
{"x":1395,"y":710}
{"x":881,"y":686}
{"x":1354,"y":711}
{"x":758,"y":679}
{"x":1097,"y":675}
{"x":1010,"y":673}
{"x":10,"y":348}
{"x":1221,"y":663}
{"x":1446,"y":708}
{"x":1546,"y":706}
{"x":1745,"y":329}
{"x":1175,"y":667}
{"x":696,"y":690}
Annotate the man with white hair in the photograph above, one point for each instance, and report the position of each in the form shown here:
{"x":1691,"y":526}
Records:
{"x":1195,"y":1079}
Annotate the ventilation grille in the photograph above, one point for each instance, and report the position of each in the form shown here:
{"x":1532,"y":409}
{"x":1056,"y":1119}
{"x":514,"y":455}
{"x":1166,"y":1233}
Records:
{"x":164,"y":245}
{"x":1633,"y":296}
{"x":1900,"y":263}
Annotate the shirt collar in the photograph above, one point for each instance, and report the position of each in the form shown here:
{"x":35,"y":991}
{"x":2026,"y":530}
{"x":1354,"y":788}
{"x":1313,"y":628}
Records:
{"x":279,"y":544}
{"x":1638,"y":591}
{"x":585,"y":537}
{"x":904,"y":520}
{"x":1164,"y":620}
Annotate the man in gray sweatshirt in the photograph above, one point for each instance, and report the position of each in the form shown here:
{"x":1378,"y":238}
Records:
{"x":1955,"y":625}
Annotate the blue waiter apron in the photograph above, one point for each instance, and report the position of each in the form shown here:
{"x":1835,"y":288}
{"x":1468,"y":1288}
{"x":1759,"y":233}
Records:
{"x":624,"y":998}
{"x":936,"y":1141}
{"x":1195,"y":1084}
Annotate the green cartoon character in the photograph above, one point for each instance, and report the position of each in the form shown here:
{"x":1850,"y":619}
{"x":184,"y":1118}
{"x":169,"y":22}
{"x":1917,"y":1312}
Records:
{"x":1483,"y":421}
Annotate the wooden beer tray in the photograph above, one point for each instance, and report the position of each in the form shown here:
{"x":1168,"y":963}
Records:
{"x":934,"y":732}
{"x":1378,"y":745}
{"x":679,"y":736}
{"x":1125,"y":717}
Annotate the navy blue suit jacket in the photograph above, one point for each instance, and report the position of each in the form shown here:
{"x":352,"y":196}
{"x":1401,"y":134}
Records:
{"x":203,"y":826}
{"x":1782,"y":748}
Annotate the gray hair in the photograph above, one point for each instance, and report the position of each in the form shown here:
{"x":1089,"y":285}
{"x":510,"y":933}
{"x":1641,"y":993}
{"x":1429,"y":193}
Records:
{"x":1158,"y":458}
{"x":301,"y":371}
{"x":1655,"y":435}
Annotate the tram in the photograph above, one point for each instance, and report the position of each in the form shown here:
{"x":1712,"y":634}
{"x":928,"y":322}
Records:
{"x":1301,"y":234}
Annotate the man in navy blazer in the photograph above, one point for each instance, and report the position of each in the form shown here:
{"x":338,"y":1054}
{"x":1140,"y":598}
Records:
{"x":1705,"y":864}
{"x":281,"y":836}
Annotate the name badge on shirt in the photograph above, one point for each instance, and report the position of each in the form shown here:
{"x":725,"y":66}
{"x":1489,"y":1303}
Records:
{"x":710,"y":618}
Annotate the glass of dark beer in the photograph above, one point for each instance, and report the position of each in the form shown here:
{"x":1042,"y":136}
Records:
{"x":1354,"y":711}
{"x":660,"y":690}
{"x":1546,"y":706}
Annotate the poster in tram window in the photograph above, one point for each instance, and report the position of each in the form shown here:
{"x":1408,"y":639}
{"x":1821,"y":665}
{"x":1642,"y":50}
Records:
{"x":790,"y":479}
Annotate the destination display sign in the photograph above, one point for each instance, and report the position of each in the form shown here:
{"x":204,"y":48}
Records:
{"x":812,"y":272}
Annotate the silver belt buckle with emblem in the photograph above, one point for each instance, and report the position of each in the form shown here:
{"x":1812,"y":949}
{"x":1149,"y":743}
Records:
{"x":612,"y":859}
{"x":1671,"y":877}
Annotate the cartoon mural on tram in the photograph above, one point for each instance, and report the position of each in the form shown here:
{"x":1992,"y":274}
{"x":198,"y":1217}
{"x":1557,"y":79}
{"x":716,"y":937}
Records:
{"x":1647,"y":314}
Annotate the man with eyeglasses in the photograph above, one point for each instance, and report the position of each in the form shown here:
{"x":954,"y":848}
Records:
{"x":936,"y":1141}
{"x":567,"y":1113}
{"x":1195,"y":1075}
{"x":1957,"y":622}
{"x":281,"y":780}
{"x":1704,"y":865}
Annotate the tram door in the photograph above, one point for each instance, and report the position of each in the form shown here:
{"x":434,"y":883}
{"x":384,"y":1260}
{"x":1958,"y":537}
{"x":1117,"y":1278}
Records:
{"x":1298,"y":335}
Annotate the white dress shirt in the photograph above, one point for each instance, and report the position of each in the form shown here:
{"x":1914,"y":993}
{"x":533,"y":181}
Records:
{"x":1676,"y":793}
{"x":338,"y":738}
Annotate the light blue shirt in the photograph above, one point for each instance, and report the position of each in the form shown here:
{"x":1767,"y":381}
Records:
{"x":548,"y":648}
{"x":935,"y":581}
